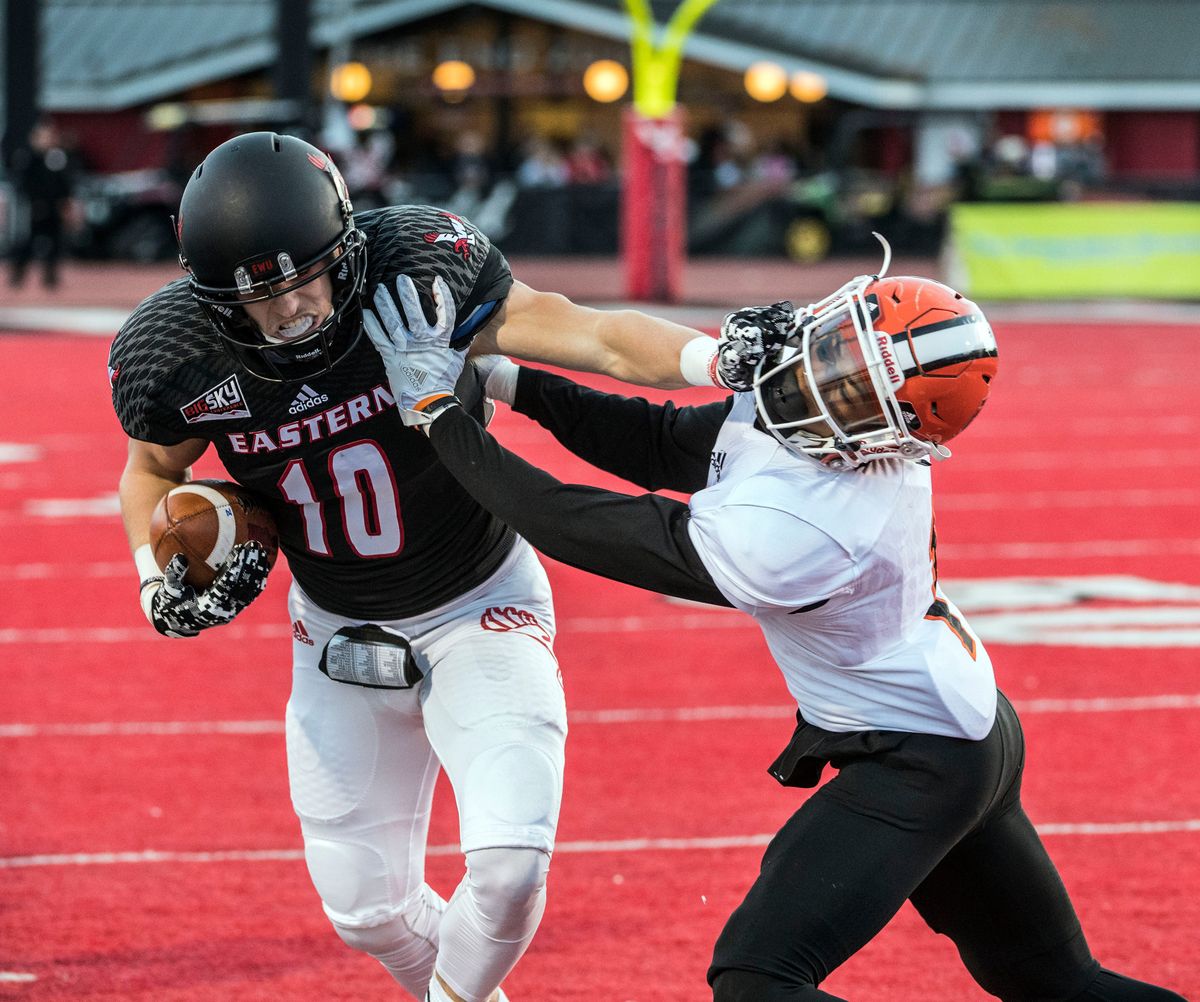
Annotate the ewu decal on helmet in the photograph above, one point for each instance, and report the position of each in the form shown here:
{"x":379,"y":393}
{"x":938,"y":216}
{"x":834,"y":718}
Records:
{"x":884,"y":367}
{"x":262,"y":215}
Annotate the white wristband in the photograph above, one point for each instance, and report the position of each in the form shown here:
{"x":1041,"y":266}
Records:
{"x":501,"y":381}
{"x":149,"y":575}
{"x":698,"y":362}
{"x":147,"y":566}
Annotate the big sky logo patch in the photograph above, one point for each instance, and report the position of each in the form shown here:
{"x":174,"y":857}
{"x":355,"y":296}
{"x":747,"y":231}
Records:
{"x":222,"y":403}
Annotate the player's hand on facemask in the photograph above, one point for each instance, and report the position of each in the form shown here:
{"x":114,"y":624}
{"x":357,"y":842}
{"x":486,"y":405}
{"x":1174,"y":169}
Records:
{"x":747,"y":337}
{"x":420,"y":364}
{"x":177,"y":609}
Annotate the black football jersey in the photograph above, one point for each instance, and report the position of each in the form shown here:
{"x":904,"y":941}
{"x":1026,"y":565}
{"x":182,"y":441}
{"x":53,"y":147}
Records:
{"x":373,"y":526}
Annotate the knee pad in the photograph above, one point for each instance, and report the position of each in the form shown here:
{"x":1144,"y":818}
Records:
{"x":507,"y":887}
{"x":351,"y":878}
{"x":511,"y":796}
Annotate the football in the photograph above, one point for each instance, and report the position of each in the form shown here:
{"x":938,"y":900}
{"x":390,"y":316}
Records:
{"x":204,"y":520}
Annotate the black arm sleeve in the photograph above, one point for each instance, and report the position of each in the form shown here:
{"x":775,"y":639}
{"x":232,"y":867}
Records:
{"x":642,"y":541}
{"x":657,"y":447}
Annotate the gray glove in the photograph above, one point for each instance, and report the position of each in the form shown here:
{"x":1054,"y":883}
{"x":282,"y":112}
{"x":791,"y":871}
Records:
{"x":747,"y":337}
{"x":176,"y":609}
{"x":420,"y":364}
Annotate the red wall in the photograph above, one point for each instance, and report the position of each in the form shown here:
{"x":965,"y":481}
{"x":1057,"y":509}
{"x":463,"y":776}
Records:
{"x":119,"y":140}
{"x":1161,"y":144}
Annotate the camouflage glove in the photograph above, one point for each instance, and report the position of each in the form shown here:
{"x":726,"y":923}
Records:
{"x":747,"y":337}
{"x":176,"y":609}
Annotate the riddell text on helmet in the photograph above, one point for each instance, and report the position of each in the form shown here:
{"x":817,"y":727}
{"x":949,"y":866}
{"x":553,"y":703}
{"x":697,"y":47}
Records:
{"x":889,"y":359}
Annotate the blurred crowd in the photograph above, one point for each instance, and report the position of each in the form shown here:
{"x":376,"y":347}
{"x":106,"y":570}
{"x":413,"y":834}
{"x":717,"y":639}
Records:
{"x":747,"y":195}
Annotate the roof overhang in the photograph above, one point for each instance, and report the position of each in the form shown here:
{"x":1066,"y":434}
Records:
{"x":846,"y":84}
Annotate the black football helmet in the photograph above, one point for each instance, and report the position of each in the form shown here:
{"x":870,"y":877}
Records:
{"x":262,"y":214}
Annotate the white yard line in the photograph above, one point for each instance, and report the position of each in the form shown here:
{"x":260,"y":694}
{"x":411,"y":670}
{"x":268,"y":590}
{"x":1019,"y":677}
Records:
{"x":632,"y":715}
{"x":584,"y":846}
{"x":1016,"y":550}
{"x":65,"y":511}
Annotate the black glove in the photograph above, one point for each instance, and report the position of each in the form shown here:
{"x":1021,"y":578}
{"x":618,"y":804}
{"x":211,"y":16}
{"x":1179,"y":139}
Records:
{"x":747,"y":337}
{"x":176,"y":609}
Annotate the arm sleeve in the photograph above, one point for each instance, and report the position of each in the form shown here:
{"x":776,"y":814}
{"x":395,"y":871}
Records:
{"x":657,"y":447}
{"x":642,"y":541}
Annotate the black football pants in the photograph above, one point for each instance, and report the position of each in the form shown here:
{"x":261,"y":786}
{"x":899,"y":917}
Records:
{"x":934,"y":820}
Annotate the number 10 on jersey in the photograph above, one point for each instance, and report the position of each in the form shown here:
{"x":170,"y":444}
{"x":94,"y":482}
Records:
{"x":366,"y":489}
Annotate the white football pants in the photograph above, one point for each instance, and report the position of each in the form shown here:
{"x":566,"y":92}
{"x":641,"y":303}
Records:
{"x":362,"y":764}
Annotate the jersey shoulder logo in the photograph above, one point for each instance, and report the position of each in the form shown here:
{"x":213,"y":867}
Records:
{"x":460,"y":237}
{"x":221,"y":403}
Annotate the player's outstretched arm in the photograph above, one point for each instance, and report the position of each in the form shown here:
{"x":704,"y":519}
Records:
{"x":642,"y":541}
{"x":174,"y":608}
{"x":656,"y":446}
{"x":633,"y":346}
{"x":625,"y":344}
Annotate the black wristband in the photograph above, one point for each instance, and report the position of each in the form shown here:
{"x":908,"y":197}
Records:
{"x":440,"y":404}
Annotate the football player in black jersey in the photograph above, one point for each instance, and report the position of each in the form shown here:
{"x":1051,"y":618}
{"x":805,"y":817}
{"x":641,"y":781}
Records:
{"x":423,"y":627}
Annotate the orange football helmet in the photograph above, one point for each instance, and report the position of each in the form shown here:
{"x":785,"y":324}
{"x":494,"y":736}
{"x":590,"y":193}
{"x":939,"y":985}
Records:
{"x":884,"y":367}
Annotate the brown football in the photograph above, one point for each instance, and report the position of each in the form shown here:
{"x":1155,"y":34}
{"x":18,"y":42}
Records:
{"x":204,"y":520}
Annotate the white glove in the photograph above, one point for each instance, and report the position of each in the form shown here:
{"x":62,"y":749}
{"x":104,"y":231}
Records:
{"x":420,"y":364}
{"x":499,"y":377}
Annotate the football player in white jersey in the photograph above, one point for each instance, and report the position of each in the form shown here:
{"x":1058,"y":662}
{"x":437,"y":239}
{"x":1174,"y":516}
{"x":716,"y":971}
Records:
{"x":811,"y":510}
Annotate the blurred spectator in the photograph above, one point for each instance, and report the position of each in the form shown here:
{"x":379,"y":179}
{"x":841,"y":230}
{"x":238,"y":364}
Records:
{"x":543,"y":165}
{"x":725,"y":157}
{"x":587,"y":163}
{"x":42,"y":174}
{"x":471,"y":168}
{"x":774,"y":164}
{"x":477,"y":192}
{"x":365,"y":167}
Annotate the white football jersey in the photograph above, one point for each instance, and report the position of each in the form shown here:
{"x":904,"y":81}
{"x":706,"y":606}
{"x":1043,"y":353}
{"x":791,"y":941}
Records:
{"x":885,"y":649}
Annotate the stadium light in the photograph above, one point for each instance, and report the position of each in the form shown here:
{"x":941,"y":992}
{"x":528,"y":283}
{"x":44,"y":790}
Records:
{"x":765,"y":81}
{"x":605,"y":81}
{"x":350,"y":82}
{"x":808,"y":87}
{"x":453,"y":75}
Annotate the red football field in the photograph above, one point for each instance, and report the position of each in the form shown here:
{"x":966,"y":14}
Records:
{"x":148,"y":851}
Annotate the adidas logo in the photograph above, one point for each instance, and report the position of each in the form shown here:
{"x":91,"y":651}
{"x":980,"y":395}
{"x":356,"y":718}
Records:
{"x":307,"y":399}
{"x":415,"y":376}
